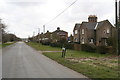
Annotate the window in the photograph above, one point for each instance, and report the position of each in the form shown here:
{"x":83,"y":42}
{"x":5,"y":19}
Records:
{"x":76,"y":40}
{"x":104,"y":31}
{"x":106,"y":42}
{"x":83,"y":32}
{"x":51,"y":36}
{"x":91,"y":40}
{"x":83,"y":40}
{"x":76,"y":31}
{"x":108,"y":31}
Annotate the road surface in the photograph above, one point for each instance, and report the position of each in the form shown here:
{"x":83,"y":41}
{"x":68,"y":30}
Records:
{"x":21,"y":61}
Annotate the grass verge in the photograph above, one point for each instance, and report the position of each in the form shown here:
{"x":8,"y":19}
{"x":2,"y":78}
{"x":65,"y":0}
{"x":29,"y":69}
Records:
{"x":85,"y":67}
{"x":92,"y":65}
{"x":6,"y":44}
{"x":41,"y":47}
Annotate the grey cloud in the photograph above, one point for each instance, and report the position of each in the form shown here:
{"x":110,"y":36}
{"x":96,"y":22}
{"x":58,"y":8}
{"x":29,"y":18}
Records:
{"x":27,"y":16}
{"x":26,"y":2}
{"x":22,"y":4}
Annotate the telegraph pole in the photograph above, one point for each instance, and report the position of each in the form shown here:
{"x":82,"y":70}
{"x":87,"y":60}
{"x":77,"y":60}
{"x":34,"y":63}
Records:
{"x":43,"y":32}
{"x":117,"y":26}
{"x":116,"y":23}
{"x":43,"y":28}
{"x":119,"y":30}
{"x":119,"y":10}
{"x":39,"y":35}
{"x":33,"y":34}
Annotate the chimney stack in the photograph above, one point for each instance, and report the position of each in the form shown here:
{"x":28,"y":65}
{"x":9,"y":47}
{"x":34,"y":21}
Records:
{"x":92,"y":18}
{"x":58,"y":28}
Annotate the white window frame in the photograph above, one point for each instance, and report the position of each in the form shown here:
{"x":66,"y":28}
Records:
{"x":83,"y":31}
{"x":76,"y":40}
{"x":91,"y":40}
{"x":105,"y":42}
{"x":51,"y":36}
{"x":83,"y":41}
{"x":108,"y":31}
{"x":76,"y":31}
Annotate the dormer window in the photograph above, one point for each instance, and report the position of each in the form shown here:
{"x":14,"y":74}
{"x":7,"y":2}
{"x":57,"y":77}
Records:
{"x":108,"y":31}
{"x":83,"y":31}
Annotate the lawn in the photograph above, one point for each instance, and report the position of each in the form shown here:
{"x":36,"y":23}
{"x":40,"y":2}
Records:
{"x":92,"y":65}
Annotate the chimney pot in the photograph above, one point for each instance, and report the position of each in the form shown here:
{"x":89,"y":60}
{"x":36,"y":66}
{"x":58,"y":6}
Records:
{"x":92,"y":18}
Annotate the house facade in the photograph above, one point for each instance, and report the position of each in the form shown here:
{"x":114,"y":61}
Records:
{"x":93,"y":32}
{"x":54,"y":36}
{"x":76,"y":33}
{"x":58,"y":34}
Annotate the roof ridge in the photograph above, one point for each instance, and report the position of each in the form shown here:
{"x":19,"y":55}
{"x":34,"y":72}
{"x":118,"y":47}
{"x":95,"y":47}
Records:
{"x":104,"y":20}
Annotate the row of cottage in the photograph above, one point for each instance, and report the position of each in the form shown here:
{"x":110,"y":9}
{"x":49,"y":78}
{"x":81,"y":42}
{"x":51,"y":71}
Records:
{"x":91,"y":32}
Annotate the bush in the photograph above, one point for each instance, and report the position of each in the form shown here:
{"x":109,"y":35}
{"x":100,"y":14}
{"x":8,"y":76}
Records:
{"x":102,"y":49}
{"x":57,"y":44}
{"x":88,"y":47}
{"x":66,"y":45}
{"x":111,"y":50}
{"x":46,"y":42}
{"x":69,"y":46}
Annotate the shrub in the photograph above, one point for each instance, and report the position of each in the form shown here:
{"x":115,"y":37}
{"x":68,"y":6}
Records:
{"x":102,"y":49}
{"x":45,"y":42}
{"x":88,"y":47}
{"x":66,"y":45}
{"x":57,"y":44}
{"x":110,"y":50}
{"x":69,"y":46}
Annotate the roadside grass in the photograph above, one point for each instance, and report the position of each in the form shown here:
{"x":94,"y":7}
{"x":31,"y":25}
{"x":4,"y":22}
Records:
{"x":0,"y":45}
{"x":92,"y":65}
{"x":41,"y":47}
{"x":91,"y":69}
{"x":6,"y":44}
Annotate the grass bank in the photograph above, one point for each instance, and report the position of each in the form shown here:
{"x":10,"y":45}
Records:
{"x":92,"y":65}
{"x":6,"y":44}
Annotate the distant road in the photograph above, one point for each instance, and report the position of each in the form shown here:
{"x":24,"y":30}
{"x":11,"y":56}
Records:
{"x":21,"y":61}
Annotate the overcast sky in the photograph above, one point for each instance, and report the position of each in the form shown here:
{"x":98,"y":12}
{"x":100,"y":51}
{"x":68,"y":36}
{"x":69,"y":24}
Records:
{"x":23,"y":17}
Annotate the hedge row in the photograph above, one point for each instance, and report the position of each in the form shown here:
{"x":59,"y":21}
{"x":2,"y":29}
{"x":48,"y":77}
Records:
{"x":88,"y":48}
{"x":59,"y":44}
{"x":97,"y":49}
{"x":84,"y":47}
{"x":66,"y":45}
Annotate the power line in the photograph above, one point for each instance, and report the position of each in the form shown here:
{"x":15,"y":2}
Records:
{"x":62,"y":11}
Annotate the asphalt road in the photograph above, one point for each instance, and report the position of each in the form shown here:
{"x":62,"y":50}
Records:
{"x":21,"y":61}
